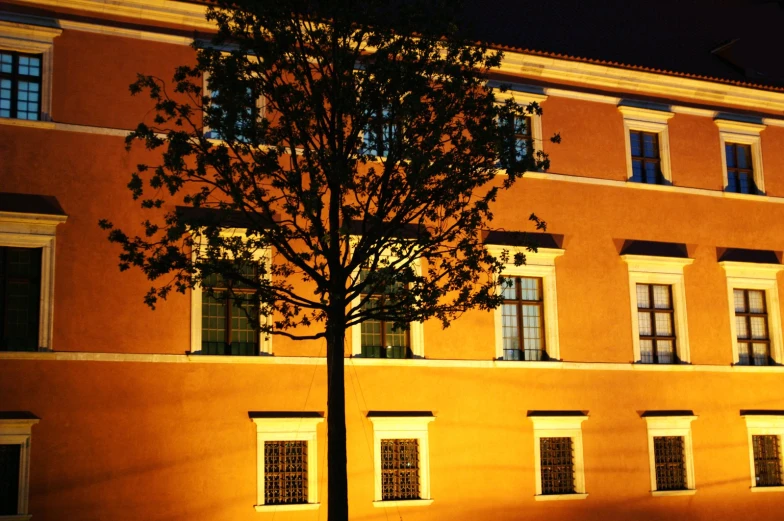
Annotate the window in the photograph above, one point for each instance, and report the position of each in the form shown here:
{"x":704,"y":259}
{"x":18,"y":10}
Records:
{"x":646,"y":164}
{"x":751,"y":323}
{"x":257,"y":111}
{"x":741,"y":155}
{"x":528,"y":129}
{"x":15,"y":434}
{"x":523,"y":319}
{"x":379,"y":134}
{"x":26,"y":71}
{"x":647,"y":145}
{"x":558,"y":458}
{"x":765,"y":432}
{"x":402,"y":460}
{"x":658,"y":299}
{"x":27,"y":243}
{"x":670,"y":452}
{"x":755,"y":323}
{"x":740,"y":170}
{"x":287,"y":477}
{"x":220,"y":322}
{"x":655,"y":320}
{"x":526,"y":324}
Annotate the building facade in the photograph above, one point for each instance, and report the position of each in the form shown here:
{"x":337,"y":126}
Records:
{"x":635,"y":366}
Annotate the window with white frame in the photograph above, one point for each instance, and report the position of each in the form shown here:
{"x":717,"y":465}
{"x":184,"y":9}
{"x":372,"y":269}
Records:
{"x":526,"y":324}
{"x":27,"y":246}
{"x":528,"y":128}
{"x":647,"y":145}
{"x":658,"y":308}
{"x":670,"y":453}
{"x":26,"y":57}
{"x":741,"y":156}
{"x":755,"y":319}
{"x":765,"y":433}
{"x":379,"y":134}
{"x":401,"y":458}
{"x":377,"y":338}
{"x":255,"y":110}
{"x":287,"y":459}
{"x":15,"y":434}
{"x":558,"y":454}
{"x":222,"y":318}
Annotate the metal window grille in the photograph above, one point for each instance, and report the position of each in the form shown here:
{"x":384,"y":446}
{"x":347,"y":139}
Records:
{"x":379,"y":338}
{"x":20,"y":298}
{"x":670,"y":463}
{"x":740,"y":170}
{"x":557,"y":464}
{"x":655,"y":320}
{"x":9,"y":479}
{"x":285,"y":472}
{"x":646,"y":163}
{"x":751,"y":323}
{"x":523,"y":319}
{"x":20,"y":85}
{"x":767,"y":461}
{"x":400,"y":469}
{"x":230,"y":315}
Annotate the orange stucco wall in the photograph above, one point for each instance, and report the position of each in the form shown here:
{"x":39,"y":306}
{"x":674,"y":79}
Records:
{"x":171,"y":439}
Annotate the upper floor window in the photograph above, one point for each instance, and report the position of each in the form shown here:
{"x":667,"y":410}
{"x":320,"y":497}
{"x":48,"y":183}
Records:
{"x":523,"y":319}
{"x":528,"y":127}
{"x":26,"y":57}
{"x":646,"y":163}
{"x":751,"y":322}
{"x":741,"y":153}
{"x":379,"y":134}
{"x":20,"y":85}
{"x":647,"y":145}
{"x":655,"y":318}
{"x":740,"y":169}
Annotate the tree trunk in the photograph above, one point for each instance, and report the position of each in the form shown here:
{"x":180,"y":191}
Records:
{"x":337,"y":479}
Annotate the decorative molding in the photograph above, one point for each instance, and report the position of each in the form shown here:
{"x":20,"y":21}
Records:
{"x":552,"y":426}
{"x":287,"y":428}
{"x":672,"y":426}
{"x":402,"y":427}
{"x":739,"y":127}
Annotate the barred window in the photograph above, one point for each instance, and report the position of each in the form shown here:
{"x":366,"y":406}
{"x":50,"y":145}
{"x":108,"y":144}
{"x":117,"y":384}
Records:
{"x":740,"y":170}
{"x":767,"y":461}
{"x":285,"y":472}
{"x":751,"y":323}
{"x":523,"y":319}
{"x":228,"y":314}
{"x":646,"y":161}
{"x":20,"y":298}
{"x":670,"y":463}
{"x":656,"y":324}
{"x":557,"y":464}
{"x":20,"y":85}
{"x":400,"y":469}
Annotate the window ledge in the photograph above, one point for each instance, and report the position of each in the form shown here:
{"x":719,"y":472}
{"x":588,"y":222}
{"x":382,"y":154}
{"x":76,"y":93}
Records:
{"x":34,"y":123}
{"x":17,"y":517}
{"x":660,"y":493}
{"x":559,"y":497}
{"x":283,"y":508}
{"x":763,"y":489}
{"x":403,"y":503}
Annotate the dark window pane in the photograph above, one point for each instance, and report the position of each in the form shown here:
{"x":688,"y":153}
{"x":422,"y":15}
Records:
{"x":651,"y":173}
{"x":20,"y":85}
{"x":20,"y":298}
{"x":9,"y":479}
{"x":744,"y":156}
{"x":650,"y":145}
{"x":729,"y":151}
{"x":637,"y":170}
{"x":635,"y":142}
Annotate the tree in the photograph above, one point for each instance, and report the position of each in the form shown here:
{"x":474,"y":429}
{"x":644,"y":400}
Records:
{"x":376,"y":146}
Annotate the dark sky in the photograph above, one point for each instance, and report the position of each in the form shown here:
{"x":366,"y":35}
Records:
{"x":666,"y":34}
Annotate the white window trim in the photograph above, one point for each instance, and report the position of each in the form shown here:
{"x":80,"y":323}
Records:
{"x":19,"y":432}
{"x":645,"y":269}
{"x":33,"y":39}
{"x":560,"y":427}
{"x":745,"y":134}
{"x":525,"y":98}
{"x":265,"y":340}
{"x":27,"y":230}
{"x":672,"y":426}
{"x":763,"y":424}
{"x":287,"y":429}
{"x":538,"y":264}
{"x":748,"y":275}
{"x":391,"y":427}
{"x":416,"y":329}
{"x":647,"y":120}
